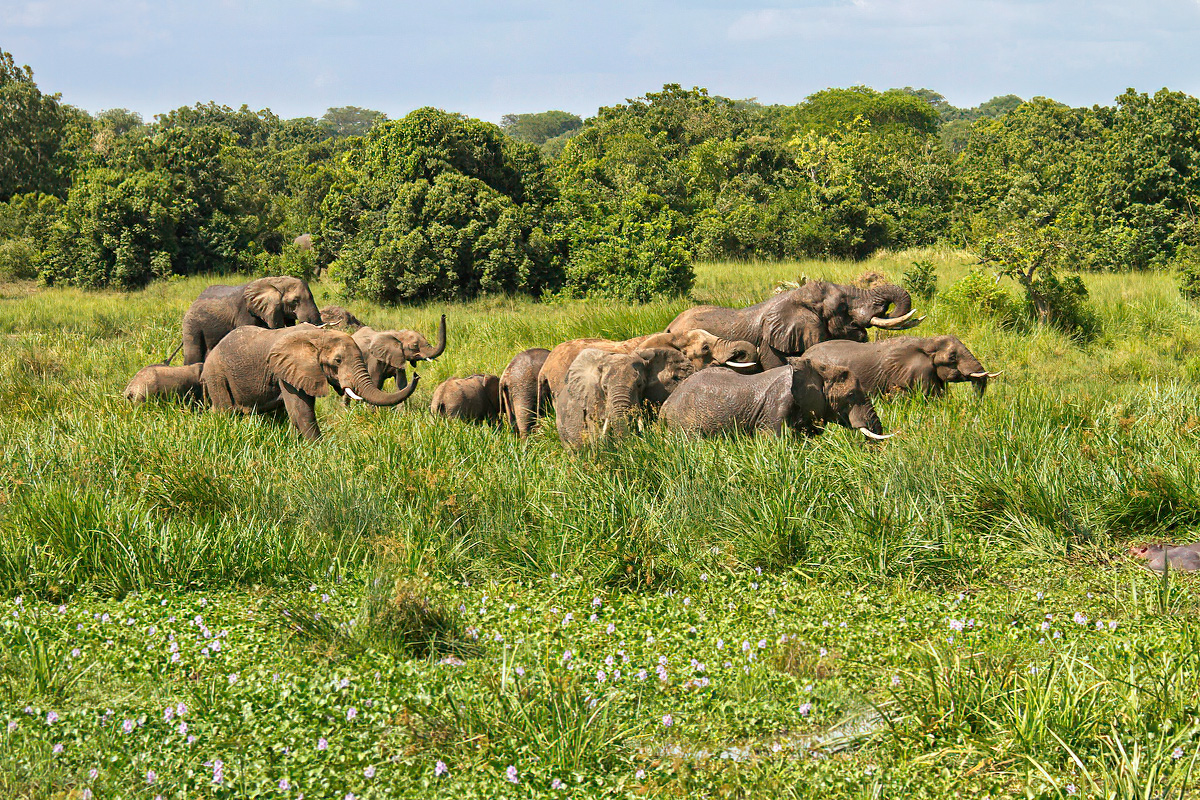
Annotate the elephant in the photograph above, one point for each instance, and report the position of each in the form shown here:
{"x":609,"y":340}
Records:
{"x":1161,"y":557}
{"x":699,"y":346}
{"x":161,"y":380}
{"x":275,"y":302}
{"x":260,"y":370}
{"x":388,"y":352}
{"x":340,"y":318}
{"x":475,"y":398}
{"x":802,"y":395}
{"x":519,"y":390}
{"x":793,"y":321}
{"x":603,"y":388}
{"x":906,"y":363}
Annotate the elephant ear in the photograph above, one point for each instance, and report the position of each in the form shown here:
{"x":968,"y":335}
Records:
{"x":791,"y":325}
{"x":295,"y":360}
{"x":266,"y":302}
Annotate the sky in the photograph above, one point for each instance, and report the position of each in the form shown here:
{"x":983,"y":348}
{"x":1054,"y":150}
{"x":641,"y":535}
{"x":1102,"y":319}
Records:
{"x":487,"y":58}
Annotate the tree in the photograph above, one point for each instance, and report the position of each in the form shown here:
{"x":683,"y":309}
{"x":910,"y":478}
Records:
{"x":33,"y":134}
{"x":438,"y":205}
{"x":350,"y":121}
{"x":827,"y":110}
{"x":538,"y":128}
{"x":119,"y":121}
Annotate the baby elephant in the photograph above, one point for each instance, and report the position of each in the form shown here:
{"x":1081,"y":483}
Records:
{"x":1184,"y":558}
{"x":160,"y":380}
{"x":519,"y":401}
{"x":475,"y":398}
{"x":801,"y":395}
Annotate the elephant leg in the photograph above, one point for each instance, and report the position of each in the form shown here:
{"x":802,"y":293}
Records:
{"x":301,"y":411}
{"x":193,"y":349}
{"x":219,"y":397}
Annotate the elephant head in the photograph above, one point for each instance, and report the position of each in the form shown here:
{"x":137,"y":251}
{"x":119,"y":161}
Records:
{"x":703,"y":348}
{"x":953,"y":362}
{"x":601,"y":391}
{"x":665,"y":368}
{"x":883,"y":306}
{"x":281,"y":301}
{"x":339,"y":317}
{"x":312,"y":359}
{"x":397,"y":349}
{"x":830,"y":393}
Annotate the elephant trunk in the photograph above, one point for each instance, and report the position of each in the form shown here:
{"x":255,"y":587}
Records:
{"x":308,"y":312}
{"x":862,"y":417}
{"x":617,"y":413}
{"x":727,"y":352}
{"x":895,"y":296}
{"x":441,"y":342}
{"x":364,"y":388}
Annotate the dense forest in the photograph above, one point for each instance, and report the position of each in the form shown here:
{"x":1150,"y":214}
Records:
{"x":440,"y":205}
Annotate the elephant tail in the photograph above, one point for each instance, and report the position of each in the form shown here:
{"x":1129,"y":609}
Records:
{"x":175,"y":352}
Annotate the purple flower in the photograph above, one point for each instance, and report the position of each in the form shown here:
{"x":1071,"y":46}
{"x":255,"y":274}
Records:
{"x":1080,"y":618}
{"x":440,"y":768}
{"x":58,"y":748}
{"x":668,"y":720}
{"x":511,"y":774}
{"x":12,"y":725}
{"x":86,"y":794}
{"x":804,"y":709}
{"x":76,"y":653}
{"x":322,"y":744}
{"x":600,"y":676}
{"x":566,"y":656}
{"x":369,"y":772}
{"x":640,"y":774}
{"x":284,"y":785}
{"x":232,"y":678}
{"x":596,"y":601}
{"x":218,"y":768}
{"x":51,"y":718}
{"x":1177,"y":753}
{"x":183,"y":729}
{"x":127,"y":726}
{"x":93,"y":773}
{"x":1071,"y":789}
{"x":151,"y":776}
{"x":168,"y":712}
{"x":351,"y":713}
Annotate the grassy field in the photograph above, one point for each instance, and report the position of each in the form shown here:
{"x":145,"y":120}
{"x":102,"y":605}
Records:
{"x":197,"y":605}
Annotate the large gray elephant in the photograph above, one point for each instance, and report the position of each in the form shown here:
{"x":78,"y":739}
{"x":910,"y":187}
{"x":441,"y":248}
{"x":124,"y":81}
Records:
{"x":475,"y":398}
{"x":519,"y":390}
{"x":906,"y":363}
{"x":160,"y":380}
{"x":698,"y":346}
{"x":603,"y":388}
{"x":388,"y":353}
{"x":801,"y":395}
{"x":258,"y":370}
{"x":793,"y":321}
{"x":274,"y":302}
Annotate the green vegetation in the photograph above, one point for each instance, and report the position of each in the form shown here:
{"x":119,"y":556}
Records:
{"x":947,"y":613}
{"x":437,"y":205}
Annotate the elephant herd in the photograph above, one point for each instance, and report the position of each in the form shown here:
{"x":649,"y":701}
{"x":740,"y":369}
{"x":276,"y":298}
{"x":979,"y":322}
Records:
{"x":799,"y":360}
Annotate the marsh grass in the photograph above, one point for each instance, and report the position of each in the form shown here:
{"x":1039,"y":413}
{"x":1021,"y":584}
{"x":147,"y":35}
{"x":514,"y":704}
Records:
{"x":1077,"y":450}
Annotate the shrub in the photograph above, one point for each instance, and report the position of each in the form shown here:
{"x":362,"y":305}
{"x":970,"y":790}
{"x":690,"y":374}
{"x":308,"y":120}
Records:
{"x":439,"y":205}
{"x":17,"y":257}
{"x":980,"y":293}
{"x":1187,"y":271}
{"x":921,"y":280}
{"x":632,"y":255}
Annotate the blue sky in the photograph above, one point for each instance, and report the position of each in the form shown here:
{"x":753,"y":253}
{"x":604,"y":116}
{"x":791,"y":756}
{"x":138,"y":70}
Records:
{"x":491,"y":58}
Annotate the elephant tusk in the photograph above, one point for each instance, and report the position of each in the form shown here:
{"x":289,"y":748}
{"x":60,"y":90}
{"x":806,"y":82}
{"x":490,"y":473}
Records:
{"x":894,"y":323}
{"x":353,"y":394}
{"x":741,"y":364}
{"x":867,"y":433}
{"x":986,"y":374}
